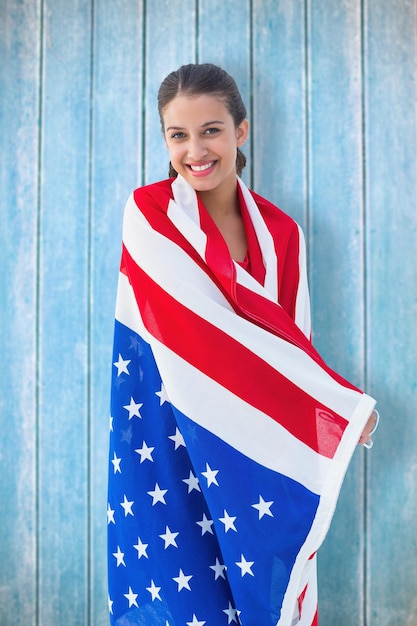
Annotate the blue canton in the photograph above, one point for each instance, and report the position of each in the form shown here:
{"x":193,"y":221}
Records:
{"x":199,"y":534}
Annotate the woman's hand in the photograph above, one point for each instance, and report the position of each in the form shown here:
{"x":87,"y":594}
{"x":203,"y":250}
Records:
{"x":369,"y":429}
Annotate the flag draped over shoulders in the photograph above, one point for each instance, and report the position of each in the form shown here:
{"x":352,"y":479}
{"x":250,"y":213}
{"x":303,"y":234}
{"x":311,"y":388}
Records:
{"x":230,"y":436}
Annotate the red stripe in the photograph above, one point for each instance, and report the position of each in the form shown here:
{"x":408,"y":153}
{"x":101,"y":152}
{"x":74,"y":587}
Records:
{"x":153,"y":201}
{"x":301,"y":597}
{"x":301,"y":600}
{"x":253,"y":306}
{"x":257,"y":268}
{"x":232,"y":365}
{"x":285,"y":235}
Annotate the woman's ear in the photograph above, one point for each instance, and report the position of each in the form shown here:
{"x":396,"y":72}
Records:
{"x":242,"y":132}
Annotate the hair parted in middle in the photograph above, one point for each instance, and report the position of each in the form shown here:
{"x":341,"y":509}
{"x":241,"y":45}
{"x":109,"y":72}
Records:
{"x":196,"y":79}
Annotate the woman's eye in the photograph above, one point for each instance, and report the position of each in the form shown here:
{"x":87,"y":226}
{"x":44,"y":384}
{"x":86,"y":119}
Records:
{"x":211,"y":131}
{"x":178,"y":135}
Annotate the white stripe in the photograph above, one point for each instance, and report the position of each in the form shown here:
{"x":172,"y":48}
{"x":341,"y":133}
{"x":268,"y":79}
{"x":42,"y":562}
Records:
{"x":127,"y":311}
{"x":221,"y":412}
{"x":265,"y":240}
{"x":186,"y":216}
{"x":245,"y":279}
{"x":310,"y":599}
{"x":303,"y":569}
{"x":156,"y":251}
{"x":184,"y":213}
{"x":226,"y":415}
{"x":302,"y":305}
{"x":309,"y":604}
{"x":181,"y":277}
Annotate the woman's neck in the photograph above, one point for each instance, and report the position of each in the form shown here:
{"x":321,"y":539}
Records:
{"x":220,"y":203}
{"x":225,"y":211}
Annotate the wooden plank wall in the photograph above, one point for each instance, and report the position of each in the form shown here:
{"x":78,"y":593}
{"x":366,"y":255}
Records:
{"x":330,"y":87}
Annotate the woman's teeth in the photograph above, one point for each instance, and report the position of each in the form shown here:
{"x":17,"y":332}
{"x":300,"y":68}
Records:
{"x":201,"y":168}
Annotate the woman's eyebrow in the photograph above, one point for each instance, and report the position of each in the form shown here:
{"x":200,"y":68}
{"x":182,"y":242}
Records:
{"x":213,"y":122}
{"x":202,"y":126}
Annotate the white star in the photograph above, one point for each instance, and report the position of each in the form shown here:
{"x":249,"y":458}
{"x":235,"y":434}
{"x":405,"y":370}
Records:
{"x":133,"y":409}
{"x":182,"y":581}
{"x":195,"y":622}
{"x":228,"y":521}
{"x":127,"y":506}
{"x":206,"y":525}
{"x":121,"y":365}
{"x":169,"y":538}
{"x":110,"y":514}
{"x":141,"y":548}
{"x":120,"y":557}
{"x":245,"y":566}
{"x":178,"y":439}
{"x":154,"y":591}
{"x":116,"y":464}
{"x":218,"y":569}
{"x":192,"y":482}
{"x":210,"y":475}
{"x":131,"y":597}
{"x":110,"y":602}
{"x":158,"y":495}
{"x":145,"y":452}
{"x":111,"y":424}
{"x":191,"y":433}
{"x":127,"y":435}
{"x":263,"y":507}
{"x":163,"y":396}
{"x":231,"y":614}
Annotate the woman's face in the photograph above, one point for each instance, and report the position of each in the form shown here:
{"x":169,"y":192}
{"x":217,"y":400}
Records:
{"x":202,"y":140}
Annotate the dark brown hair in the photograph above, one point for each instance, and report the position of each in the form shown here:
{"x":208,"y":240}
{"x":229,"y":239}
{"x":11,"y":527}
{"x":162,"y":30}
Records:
{"x":197,"y":79}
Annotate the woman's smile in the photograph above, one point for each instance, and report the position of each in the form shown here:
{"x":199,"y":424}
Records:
{"x":202,"y":169}
{"x":202,"y":140}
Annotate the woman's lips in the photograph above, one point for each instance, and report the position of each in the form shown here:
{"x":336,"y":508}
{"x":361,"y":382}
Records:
{"x":201,"y":169}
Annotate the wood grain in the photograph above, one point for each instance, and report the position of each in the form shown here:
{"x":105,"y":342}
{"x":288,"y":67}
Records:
{"x":336,"y":245}
{"x":64,"y":314}
{"x":20,"y":46}
{"x":391,"y":227}
{"x":331,"y":94}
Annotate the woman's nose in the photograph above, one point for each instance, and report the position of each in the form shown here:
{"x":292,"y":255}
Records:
{"x":196,"y":148}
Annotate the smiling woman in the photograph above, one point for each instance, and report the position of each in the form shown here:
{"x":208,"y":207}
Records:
{"x":191,"y":81}
{"x":239,"y":416}
{"x":204,"y":123}
{"x":202,"y":140}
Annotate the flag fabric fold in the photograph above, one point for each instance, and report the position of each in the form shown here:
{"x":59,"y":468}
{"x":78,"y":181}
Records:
{"x":230,"y":436}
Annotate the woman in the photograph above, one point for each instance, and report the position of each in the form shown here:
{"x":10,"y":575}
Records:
{"x":230,"y":435}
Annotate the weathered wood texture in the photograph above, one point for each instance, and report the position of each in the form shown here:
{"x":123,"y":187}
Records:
{"x":330,"y":89}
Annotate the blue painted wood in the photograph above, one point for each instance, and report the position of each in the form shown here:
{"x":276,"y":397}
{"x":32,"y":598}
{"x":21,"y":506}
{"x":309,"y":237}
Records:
{"x":351,"y":183}
{"x":337,"y":268}
{"x":169,"y":42}
{"x":279,"y":115}
{"x":19,"y":108}
{"x":391,"y":230}
{"x":234,"y":55}
{"x":117,"y":170}
{"x":64,"y":316}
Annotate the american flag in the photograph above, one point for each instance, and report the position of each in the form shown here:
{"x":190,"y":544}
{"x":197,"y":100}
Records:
{"x":229,"y":436}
